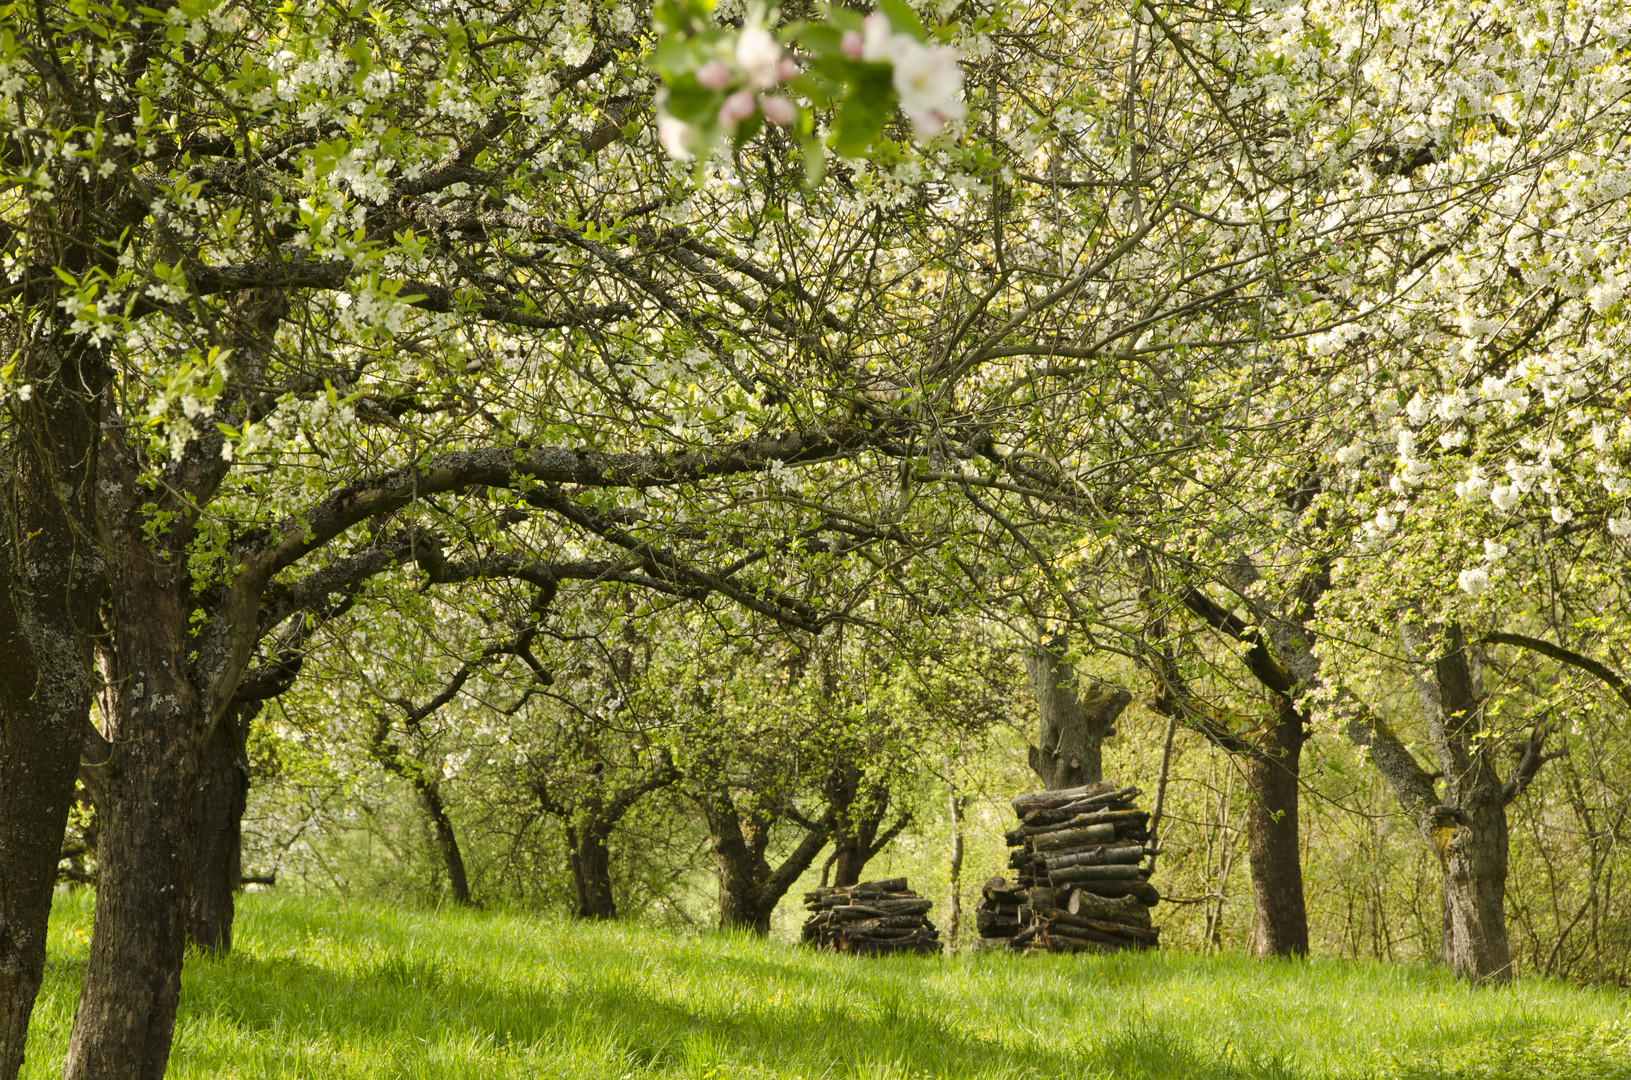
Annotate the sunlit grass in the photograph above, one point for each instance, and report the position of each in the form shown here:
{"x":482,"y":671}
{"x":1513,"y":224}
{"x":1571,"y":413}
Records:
{"x":324,"y":991}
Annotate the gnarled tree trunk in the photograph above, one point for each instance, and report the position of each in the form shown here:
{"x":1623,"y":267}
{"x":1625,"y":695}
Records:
{"x":858,"y":815}
{"x":749,"y":889}
{"x":1074,"y":718}
{"x":1466,"y":827}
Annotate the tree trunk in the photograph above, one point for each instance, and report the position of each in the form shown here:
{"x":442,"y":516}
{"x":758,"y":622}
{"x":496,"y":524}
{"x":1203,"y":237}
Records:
{"x":954,"y":898}
{"x":591,"y":866}
{"x":739,"y":859}
{"x":447,"y":844}
{"x":1074,"y":719}
{"x":50,"y":585}
{"x":40,"y":734}
{"x":749,"y":889}
{"x":1469,"y":829}
{"x":1271,"y":829}
{"x":127,"y":1005}
{"x":223,"y":792}
{"x":1474,"y":854}
{"x":397,"y":760}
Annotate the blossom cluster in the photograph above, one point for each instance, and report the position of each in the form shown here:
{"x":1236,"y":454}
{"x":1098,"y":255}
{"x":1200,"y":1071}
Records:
{"x":927,"y":77}
{"x":723,"y":83}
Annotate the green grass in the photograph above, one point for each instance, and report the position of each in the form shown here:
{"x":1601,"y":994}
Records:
{"x":315,"y":990}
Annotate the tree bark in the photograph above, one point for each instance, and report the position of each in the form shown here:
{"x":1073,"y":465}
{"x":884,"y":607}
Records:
{"x":127,"y":1005}
{"x":589,"y":824}
{"x":1074,"y":719}
{"x":1466,"y":828}
{"x":447,"y":843}
{"x":954,"y":897}
{"x":1272,"y":776}
{"x":397,"y":760}
{"x":1469,"y":829}
{"x":49,"y":589}
{"x":859,"y":833}
{"x":223,"y":792}
{"x":591,"y":865}
{"x":749,"y":889}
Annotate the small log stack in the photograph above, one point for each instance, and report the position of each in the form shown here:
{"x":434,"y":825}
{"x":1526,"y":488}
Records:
{"x":1002,"y":913}
{"x":873,"y":917}
{"x":1078,"y":857}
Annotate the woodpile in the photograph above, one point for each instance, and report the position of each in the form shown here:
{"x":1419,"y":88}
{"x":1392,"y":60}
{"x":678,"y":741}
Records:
{"x":1078,"y":856}
{"x":873,"y":917}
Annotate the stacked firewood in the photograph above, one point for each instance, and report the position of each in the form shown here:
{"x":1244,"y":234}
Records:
{"x":1002,"y":914}
{"x":872,"y":917}
{"x":1078,"y":856}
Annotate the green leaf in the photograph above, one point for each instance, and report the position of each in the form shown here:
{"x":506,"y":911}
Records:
{"x":903,"y":18}
{"x":864,"y":112}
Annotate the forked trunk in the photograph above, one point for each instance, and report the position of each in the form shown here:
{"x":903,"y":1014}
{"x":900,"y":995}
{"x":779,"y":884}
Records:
{"x":223,"y":792}
{"x":749,"y":888}
{"x":1271,"y":829}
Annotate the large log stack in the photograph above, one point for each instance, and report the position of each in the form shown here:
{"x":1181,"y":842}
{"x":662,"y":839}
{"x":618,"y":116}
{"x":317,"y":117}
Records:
{"x":1078,"y":857}
{"x":873,"y":917}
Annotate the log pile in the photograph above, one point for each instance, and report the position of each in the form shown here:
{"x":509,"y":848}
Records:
{"x":1077,"y":855}
{"x":873,"y":917}
{"x":1002,"y":913}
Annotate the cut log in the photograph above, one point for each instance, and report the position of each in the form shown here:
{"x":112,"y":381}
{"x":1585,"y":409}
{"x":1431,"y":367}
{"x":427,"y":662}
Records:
{"x":1147,"y":934}
{"x":1142,"y":891}
{"x":1097,"y":873}
{"x":1122,"y":909}
{"x":1107,"y":801}
{"x":1056,"y":930}
{"x":1106,"y":855}
{"x":887,"y":922}
{"x":875,"y":908}
{"x":1047,"y":800}
{"x":1070,"y":839}
{"x":1127,"y":818}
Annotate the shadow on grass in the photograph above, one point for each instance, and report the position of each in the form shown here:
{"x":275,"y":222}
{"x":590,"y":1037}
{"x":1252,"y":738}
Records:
{"x":636,"y":1015}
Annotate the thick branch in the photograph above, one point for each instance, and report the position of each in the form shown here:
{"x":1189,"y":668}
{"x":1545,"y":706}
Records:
{"x":1568,"y":656}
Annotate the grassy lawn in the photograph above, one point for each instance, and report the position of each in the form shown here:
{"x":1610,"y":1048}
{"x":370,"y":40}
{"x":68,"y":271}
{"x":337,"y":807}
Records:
{"x":316,"y":990}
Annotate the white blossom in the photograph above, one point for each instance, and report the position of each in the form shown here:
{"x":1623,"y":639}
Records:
{"x":1473,"y":581}
{"x":759,"y":57}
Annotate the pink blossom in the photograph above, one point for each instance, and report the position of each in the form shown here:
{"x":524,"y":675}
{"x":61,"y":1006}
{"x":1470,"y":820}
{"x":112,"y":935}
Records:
{"x":852,"y":44}
{"x":737,"y":108}
{"x":759,"y":56}
{"x":787,"y":71}
{"x":714,"y":75}
{"x":778,"y":110}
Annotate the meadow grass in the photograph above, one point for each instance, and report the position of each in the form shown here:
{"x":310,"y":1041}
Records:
{"x":316,"y":989}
